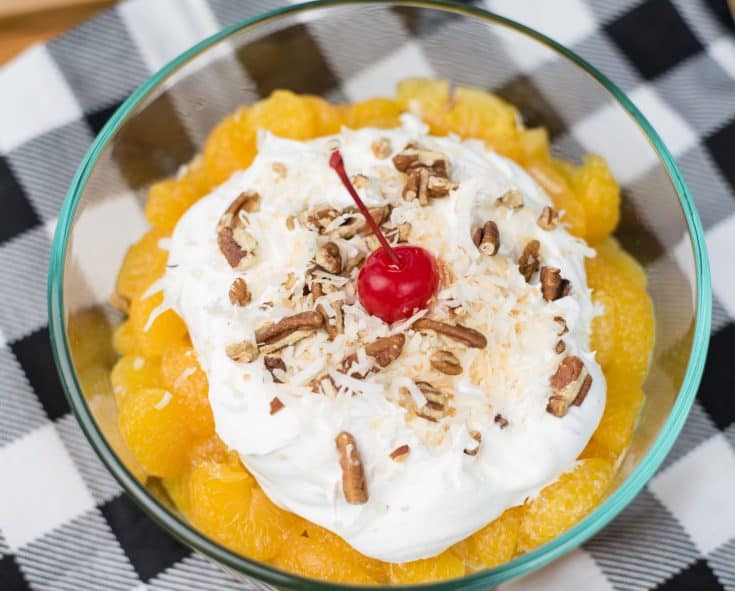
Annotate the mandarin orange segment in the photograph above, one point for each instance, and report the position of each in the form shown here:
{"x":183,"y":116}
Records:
{"x":535,"y":145}
{"x":376,"y":112}
{"x":599,"y":194}
{"x":152,"y":422}
{"x":623,"y":334}
{"x":552,"y":179}
{"x":181,"y":373}
{"x":105,"y":412}
{"x":624,"y":401}
{"x":144,"y":262}
{"x":426,"y":98}
{"x":564,"y":502}
{"x":134,"y":372}
{"x":229,"y":147}
{"x":123,"y":339}
{"x":327,"y":117}
{"x":494,"y":544}
{"x":446,"y":565}
{"x":155,"y":328}
{"x":213,"y":450}
{"x":167,"y":202}
{"x":284,"y":114}
{"x":594,"y":449}
{"x":610,"y":250}
{"x":376,"y":569}
{"x":309,"y":557}
{"x":90,"y":339}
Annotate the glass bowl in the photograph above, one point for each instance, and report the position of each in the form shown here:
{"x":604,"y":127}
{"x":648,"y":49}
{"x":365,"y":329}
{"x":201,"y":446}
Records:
{"x":352,"y":51}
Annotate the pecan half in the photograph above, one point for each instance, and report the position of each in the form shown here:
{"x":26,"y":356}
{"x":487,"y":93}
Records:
{"x":571,"y":382}
{"x":386,"y":350}
{"x":529,"y":262}
{"x":242,"y":352}
{"x":329,"y":258}
{"x":400,"y":453}
{"x":472,"y":451}
{"x":501,"y":421}
{"x":487,"y":238}
{"x":446,"y":362}
{"x":273,"y":363}
{"x":276,"y":405}
{"x":287,"y":331}
{"x":354,"y":485}
{"x":235,"y":242}
{"x":239,"y":293}
{"x":436,"y":402}
{"x":511,"y":199}
{"x":463,"y":334}
{"x":548,"y":219}
{"x":553,"y":285}
{"x":381,"y":148}
{"x":334,"y":325}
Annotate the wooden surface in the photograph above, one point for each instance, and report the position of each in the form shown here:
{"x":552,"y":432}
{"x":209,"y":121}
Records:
{"x":24,"y":22}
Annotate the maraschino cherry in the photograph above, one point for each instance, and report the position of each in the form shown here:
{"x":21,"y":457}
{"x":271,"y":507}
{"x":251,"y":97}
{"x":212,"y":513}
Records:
{"x":393,"y":283}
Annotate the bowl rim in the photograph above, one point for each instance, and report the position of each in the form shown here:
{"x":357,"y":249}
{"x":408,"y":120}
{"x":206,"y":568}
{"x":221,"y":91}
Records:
{"x":523,"y":564}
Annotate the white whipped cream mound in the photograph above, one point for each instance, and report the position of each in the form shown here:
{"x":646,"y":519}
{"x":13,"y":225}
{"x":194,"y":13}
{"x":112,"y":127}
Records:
{"x":438,"y":495}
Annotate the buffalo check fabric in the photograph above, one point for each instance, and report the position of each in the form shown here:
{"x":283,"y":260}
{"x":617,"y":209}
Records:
{"x":65,"y":523}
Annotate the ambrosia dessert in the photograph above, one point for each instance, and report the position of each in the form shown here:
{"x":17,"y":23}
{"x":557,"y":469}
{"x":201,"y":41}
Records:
{"x":405,"y":396}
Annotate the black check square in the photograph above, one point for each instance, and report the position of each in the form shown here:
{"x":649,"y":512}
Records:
{"x":19,"y":214}
{"x":150,"y":549}
{"x":697,"y":577}
{"x":97,"y":119}
{"x":11,"y":577}
{"x":535,"y":109}
{"x":722,"y":13}
{"x":721,"y":146}
{"x":717,"y":391}
{"x":654,"y":37}
{"x":33,"y":352}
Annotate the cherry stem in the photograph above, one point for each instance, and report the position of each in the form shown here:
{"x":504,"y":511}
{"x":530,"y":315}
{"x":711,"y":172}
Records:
{"x":338,"y":164}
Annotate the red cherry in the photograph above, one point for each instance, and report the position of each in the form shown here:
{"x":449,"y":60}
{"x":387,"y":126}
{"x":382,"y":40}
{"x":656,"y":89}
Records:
{"x":392,"y":292}
{"x":393,"y":283}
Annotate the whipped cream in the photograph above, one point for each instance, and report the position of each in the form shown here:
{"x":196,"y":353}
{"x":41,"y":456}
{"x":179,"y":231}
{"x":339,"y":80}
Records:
{"x":438,"y":494}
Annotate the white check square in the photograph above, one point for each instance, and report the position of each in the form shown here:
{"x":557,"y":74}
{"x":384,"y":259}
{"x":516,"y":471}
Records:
{"x":677,"y":135}
{"x":698,"y":491}
{"x":719,"y":245}
{"x":41,"y":487}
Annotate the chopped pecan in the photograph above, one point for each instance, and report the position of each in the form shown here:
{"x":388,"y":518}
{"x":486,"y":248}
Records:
{"x":381,"y":148}
{"x":360,"y":181}
{"x":487,"y":238}
{"x":321,"y":217}
{"x":427,"y":174}
{"x":279,"y":171}
{"x":501,"y":421}
{"x":446,"y":362}
{"x":412,"y":157}
{"x":385,"y":350}
{"x":553,"y":285}
{"x":242,"y":352}
{"x":355,"y":223}
{"x":276,"y":405}
{"x":563,"y":329}
{"x":438,"y":186}
{"x":329,"y":258}
{"x":512,"y":199}
{"x":463,"y":334}
{"x":529,"y":262}
{"x":354,"y":485}
{"x":472,"y":451}
{"x":287,"y":331}
{"x":239,"y":293}
{"x":400,"y":453}
{"x":560,"y":347}
{"x":436,"y":402}
{"x":273,"y":363}
{"x":570,"y":383}
{"x":235,"y":242}
{"x":548,"y":219}
{"x":354,"y":262}
{"x":334,"y":325}
{"x":290,"y":222}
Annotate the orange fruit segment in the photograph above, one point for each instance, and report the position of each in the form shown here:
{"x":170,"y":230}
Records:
{"x":229,"y":147}
{"x":552,"y":179}
{"x":310,"y":557}
{"x":599,"y":194}
{"x":152,"y":422}
{"x":594,"y":449}
{"x":376,"y":112}
{"x":494,"y":544}
{"x":284,"y":114}
{"x":563,"y":503}
{"x":610,"y":250}
{"x":623,"y":334}
{"x":327,"y":118}
{"x":154,"y":327}
{"x":105,"y":413}
{"x":624,"y":402}
{"x":143,"y":263}
{"x":167,"y":202}
{"x":427,"y":99}
{"x":123,"y":339}
{"x":446,"y":565}
{"x":134,"y":372}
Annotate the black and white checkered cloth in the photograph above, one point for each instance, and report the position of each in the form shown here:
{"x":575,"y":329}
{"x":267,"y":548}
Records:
{"x":64,"y":522}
